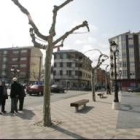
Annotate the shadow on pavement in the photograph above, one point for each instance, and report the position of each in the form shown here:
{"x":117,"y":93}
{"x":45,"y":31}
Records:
{"x":85,"y":109}
{"x":128,"y":116}
{"x":104,"y":102}
{"x":62,"y":130}
{"x":25,"y":114}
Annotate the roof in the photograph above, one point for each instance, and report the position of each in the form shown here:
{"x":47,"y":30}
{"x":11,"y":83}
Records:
{"x":120,"y":35}
{"x":17,"y":48}
{"x":62,"y":51}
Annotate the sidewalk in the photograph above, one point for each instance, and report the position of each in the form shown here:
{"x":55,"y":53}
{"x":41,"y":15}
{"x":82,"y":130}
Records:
{"x":96,"y":121}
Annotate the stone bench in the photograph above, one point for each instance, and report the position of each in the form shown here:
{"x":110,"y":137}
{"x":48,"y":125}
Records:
{"x":101,"y":95}
{"x":79,"y":103}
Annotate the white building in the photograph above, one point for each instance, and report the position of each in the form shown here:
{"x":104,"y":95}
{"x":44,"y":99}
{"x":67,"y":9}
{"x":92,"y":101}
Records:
{"x":71,"y":69}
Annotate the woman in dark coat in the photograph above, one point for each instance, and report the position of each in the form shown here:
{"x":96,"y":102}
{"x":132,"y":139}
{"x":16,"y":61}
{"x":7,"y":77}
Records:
{"x":3,"y":96}
{"x":21,"y":97}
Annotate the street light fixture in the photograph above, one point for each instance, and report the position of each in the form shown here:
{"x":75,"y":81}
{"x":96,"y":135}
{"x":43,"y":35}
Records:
{"x":15,"y":71}
{"x":115,"y":51}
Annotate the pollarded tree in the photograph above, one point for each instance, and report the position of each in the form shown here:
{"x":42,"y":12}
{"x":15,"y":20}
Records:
{"x":51,"y":44}
{"x":102,"y":58}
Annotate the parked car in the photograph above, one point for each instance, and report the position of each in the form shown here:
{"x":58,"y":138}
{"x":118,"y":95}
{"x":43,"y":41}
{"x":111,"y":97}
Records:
{"x":35,"y":89}
{"x":133,"y":89}
{"x":57,"y":89}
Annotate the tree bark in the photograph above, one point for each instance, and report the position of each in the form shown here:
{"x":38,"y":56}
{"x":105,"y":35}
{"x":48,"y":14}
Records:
{"x":93,"y":85}
{"x":46,"y":107}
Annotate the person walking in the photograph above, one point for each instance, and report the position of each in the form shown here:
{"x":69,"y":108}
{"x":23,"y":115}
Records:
{"x":108,"y":89}
{"x":3,"y":96}
{"x":21,"y":97}
{"x":14,"y":94}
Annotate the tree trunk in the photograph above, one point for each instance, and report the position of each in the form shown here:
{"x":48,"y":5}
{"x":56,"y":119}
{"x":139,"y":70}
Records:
{"x":46,"y":107}
{"x":93,"y":86}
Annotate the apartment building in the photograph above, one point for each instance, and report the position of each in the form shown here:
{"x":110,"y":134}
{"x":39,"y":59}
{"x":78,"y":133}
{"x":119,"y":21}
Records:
{"x":71,"y":69}
{"x":128,"y":60}
{"x":28,"y":60}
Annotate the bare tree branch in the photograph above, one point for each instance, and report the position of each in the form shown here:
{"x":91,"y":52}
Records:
{"x":39,"y":45}
{"x":100,"y":61}
{"x":31,"y":22}
{"x":63,"y":37}
{"x":56,"y":8}
{"x":36,"y":44}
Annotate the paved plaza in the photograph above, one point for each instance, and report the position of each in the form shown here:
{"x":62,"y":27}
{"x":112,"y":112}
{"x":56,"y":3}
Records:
{"x":96,"y":121}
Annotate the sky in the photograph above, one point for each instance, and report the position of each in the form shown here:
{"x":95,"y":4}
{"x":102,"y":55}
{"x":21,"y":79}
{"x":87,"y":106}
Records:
{"x":106,"y":18}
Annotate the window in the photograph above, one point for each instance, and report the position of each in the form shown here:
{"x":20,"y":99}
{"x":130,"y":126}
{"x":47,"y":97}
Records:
{"x":77,"y":73}
{"x":123,"y":38}
{"x":61,"y":56}
{"x":22,"y":73}
{"x":4,"y":59}
{"x":124,"y":64}
{"x":23,"y":58}
{"x":23,"y":65}
{"x":124,"y":54}
{"x":15,"y":66}
{"x":3,"y":73}
{"x":14,"y":59}
{"x":64,"y":56}
{"x":61,"y":64}
{"x":3,"y":66}
{"x":15,"y":52}
{"x":5,"y":52}
{"x":57,"y":56}
{"x":69,"y":64}
{"x":23,"y":51}
{"x":69,"y":72}
{"x":54,"y":72}
{"x":131,"y":46}
{"x":76,"y":64}
{"x":132,"y":64}
{"x":54,"y":64}
{"x":61,"y":72}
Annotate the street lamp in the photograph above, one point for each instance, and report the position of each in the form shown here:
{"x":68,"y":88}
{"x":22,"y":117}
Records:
{"x":115,"y":51}
{"x":15,"y":71}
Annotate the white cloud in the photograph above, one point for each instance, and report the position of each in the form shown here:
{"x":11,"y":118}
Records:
{"x":86,"y":40}
{"x":93,"y":27}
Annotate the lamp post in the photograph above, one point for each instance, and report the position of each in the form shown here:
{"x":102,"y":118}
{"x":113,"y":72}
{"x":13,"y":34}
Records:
{"x":115,"y":51}
{"x":15,"y":71}
{"x":106,"y":76}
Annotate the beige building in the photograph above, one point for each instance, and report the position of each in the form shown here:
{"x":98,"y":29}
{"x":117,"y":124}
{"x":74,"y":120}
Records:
{"x":28,"y":60}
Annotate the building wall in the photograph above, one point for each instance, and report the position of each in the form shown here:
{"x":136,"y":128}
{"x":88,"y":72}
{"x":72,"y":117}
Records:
{"x":19,"y":58}
{"x":71,"y":69}
{"x":35,"y":64}
{"x":128,"y":61}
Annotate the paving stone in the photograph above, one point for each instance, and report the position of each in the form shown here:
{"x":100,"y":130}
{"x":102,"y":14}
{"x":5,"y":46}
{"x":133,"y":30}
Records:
{"x":100,"y":122}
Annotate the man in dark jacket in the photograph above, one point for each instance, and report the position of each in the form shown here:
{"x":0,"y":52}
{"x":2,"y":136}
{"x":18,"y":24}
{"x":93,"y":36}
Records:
{"x":14,"y":94}
{"x":3,"y":96}
{"x":108,"y":89}
{"x":21,"y":97}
